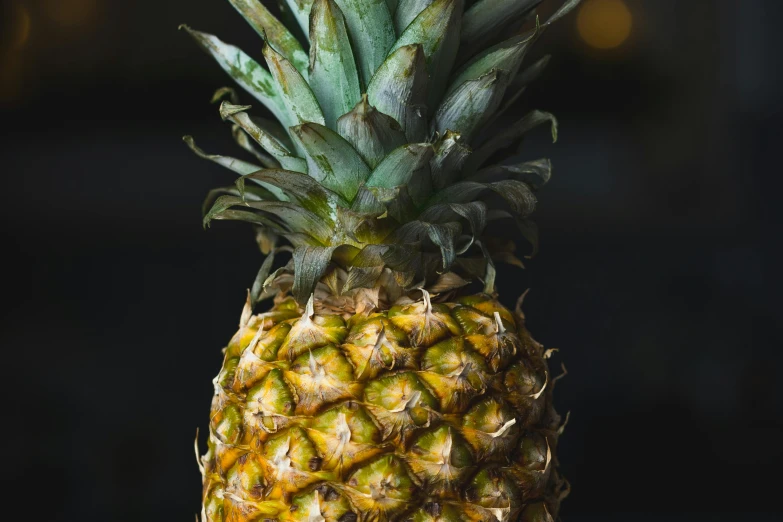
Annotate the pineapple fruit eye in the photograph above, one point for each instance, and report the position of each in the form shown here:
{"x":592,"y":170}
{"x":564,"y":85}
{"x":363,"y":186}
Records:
{"x":386,"y":382}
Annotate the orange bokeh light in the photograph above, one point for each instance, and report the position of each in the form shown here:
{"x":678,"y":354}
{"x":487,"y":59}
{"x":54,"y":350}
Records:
{"x":604,"y":24}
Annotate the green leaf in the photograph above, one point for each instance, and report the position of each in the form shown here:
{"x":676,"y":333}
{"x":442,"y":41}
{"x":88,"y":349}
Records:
{"x":237,"y":165}
{"x":273,"y":31}
{"x":506,"y":56}
{"x":244,"y":70}
{"x":442,"y":235}
{"x":392,"y":5}
{"x":289,"y":218}
{"x":474,"y":212}
{"x":401,"y":166}
{"x":301,"y":11}
{"x":221,"y":209}
{"x":243,"y":140}
{"x":399,"y":89}
{"x":535,"y":173}
{"x":470,"y":105}
{"x":530,"y":74}
{"x":510,"y":136}
{"x":407,"y":11}
{"x":237,"y":115}
{"x":240,"y":167}
{"x":529,"y":231}
{"x":331,"y":160}
{"x":310,"y":264}
{"x":518,"y":195}
{"x":372,"y":133}
{"x":298,"y":99}
{"x":362,"y":277}
{"x":437,"y":29}
{"x":301,"y":189}
{"x":487,"y":18}
{"x":333,"y":75}
{"x":450,"y":156}
{"x":257,"y":290}
{"x":253,"y":193}
{"x":371,"y":32}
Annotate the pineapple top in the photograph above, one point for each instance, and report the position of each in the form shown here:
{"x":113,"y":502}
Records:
{"x":385,"y":159}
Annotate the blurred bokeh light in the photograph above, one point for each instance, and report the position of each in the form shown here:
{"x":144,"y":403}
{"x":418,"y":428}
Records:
{"x":604,"y":24}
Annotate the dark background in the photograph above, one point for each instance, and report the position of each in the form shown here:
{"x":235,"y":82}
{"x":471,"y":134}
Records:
{"x":658,"y":276}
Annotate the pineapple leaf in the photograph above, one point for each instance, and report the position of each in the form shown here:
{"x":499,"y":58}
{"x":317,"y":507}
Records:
{"x":392,"y":5}
{"x":273,"y":31}
{"x":486,"y":18}
{"x":333,"y":75}
{"x":531,"y":74}
{"x":407,"y":165}
{"x":253,"y":193}
{"x":362,"y":277}
{"x":506,"y":56}
{"x":471,"y":104}
{"x":399,"y":89}
{"x":237,"y":115}
{"x":371,"y":32}
{"x":310,"y":264}
{"x":535,"y":173}
{"x":244,"y":70}
{"x":296,"y":219}
{"x":518,"y":195}
{"x":221,"y":209}
{"x":474,"y":212}
{"x":298,"y":98}
{"x":301,"y":189}
{"x":240,"y":167}
{"x":243,"y":140}
{"x":407,"y":11}
{"x":508,"y":137}
{"x":331,"y":160}
{"x":442,"y":235}
{"x":301,"y":11}
{"x":437,"y":29}
{"x":372,"y":133}
{"x":450,"y":156}
{"x":257,"y":292}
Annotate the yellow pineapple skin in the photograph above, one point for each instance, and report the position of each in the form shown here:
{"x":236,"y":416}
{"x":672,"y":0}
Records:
{"x":424,"y":411}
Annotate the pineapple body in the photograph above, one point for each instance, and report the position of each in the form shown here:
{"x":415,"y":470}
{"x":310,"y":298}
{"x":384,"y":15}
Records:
{"x":424,"y":411}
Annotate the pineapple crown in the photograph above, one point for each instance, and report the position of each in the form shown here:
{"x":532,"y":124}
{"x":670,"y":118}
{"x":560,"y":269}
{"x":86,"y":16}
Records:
{"x":385,"y":159}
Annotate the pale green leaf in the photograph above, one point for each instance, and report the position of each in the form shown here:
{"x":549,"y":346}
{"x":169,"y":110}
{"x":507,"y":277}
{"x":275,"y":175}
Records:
{"x":535,"y":173}
{"x":450,"y":155}
{"x":510,"y":136}
{"x":310,"y":264}
{"x":237,"y":115}
{"x":298,"y":99}
{"x":331,"y":160}
{"x":300,"y":9}
{"x":245,"y":71}
{"x":506,"y":56}
{"x":399,"y":89}
{"x":470,"y":105}
{"x":333,"y":75}
{"x":487,"y":18}
{"x":372,"y":133}
{"x":270,"y":28}
{"x":407,"y":11}
{"x":408,"y":165}
{"x":437,"y":29}
{"x":301,"y":189}
{"x":371,"y":32}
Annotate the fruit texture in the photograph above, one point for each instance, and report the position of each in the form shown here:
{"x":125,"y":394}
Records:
{"x":387,"y":382}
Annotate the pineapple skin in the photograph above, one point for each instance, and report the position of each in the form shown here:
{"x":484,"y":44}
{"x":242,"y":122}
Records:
{"x":424,"y":412}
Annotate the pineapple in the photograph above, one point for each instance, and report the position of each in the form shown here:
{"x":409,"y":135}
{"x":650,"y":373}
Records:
{"x":386,"y":382}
